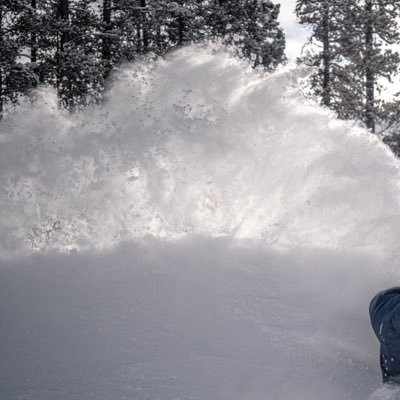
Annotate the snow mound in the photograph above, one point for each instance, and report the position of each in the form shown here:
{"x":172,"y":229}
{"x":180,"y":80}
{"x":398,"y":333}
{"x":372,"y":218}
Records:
{"x":197,"y":143}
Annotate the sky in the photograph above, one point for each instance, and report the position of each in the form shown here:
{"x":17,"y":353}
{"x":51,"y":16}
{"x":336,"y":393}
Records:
{"x":296,"y":35}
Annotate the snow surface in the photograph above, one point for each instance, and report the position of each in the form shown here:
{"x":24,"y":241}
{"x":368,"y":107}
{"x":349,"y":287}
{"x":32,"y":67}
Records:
{"x":386,"y":392}
{"x":208,"y":233}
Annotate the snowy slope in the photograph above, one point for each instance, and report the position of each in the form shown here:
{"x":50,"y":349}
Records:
{"x":206,"y":234}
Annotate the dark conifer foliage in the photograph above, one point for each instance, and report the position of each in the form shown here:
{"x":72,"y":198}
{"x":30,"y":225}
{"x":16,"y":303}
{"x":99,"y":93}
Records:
{"x":252,"y":26}
{"x":350,"y":48}
{"x":323,"y":51}
{"x":372,"y":27}
{"x":15,"y":78}
{"x":81,"y":71}
{"x":74,"y":45}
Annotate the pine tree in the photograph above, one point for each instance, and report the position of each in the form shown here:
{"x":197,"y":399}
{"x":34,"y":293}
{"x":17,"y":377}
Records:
{"x":354,"y":38}
{"x":106,"y":27}
{"x":16,"y":77}
{"x":39,"y":31}
{"x":69,"y":56}
{"x":33,"y":34}
{"x":85,"y":68}
{"x":73,"y":45}
{"x":252,"y":26}
{"x":372,"y":27}
{"x":182,"y":22}
{"x":325,"y":19}
{"x":264,"y":41}
{"x":157,"y":26}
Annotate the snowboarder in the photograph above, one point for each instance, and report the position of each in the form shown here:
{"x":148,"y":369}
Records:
{"x":384,"y":311}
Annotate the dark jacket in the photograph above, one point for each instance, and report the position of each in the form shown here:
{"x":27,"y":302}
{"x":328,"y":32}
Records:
{"x":384,"y":311}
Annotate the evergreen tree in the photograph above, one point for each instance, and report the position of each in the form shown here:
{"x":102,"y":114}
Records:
{"x":263,"y":39}
{"x":154,"y":26}
{"x":73,"y":45}
{"x":371,"y":27}
{"x":252,"y":26}
{"x":38,"y":26}
{"x":69,"y":55}
{"x":106,"y":28}
{"x":351,"y":54}
{"x":182,"y":22}
{"x":16,"y":77}
{"x":83,"y":54}
{"x":125,"y":25}
{"x":326,"y":20}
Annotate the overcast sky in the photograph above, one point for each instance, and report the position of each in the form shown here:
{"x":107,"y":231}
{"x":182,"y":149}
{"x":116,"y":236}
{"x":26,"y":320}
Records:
{"x":295,"y":34}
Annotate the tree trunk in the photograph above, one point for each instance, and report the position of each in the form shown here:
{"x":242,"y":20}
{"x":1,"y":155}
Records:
{"x":1,"y":93}
{"x":181,"y":28}
{"x":63,"y":83}
{"x":145,"y":37}
{"x":326,"y":56}
{"x":33,"y":34}
{"x":1,"y":67}
{"x":33,"y":41}
{"x":106,"y":43}
{"x":369,"y":73}
{"x":158,"y":39}
{"x":64,"y":16}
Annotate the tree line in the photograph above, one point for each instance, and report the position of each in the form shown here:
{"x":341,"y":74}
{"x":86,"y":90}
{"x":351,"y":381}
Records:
{"x":74,"y":45}
{"x":352,"y":47}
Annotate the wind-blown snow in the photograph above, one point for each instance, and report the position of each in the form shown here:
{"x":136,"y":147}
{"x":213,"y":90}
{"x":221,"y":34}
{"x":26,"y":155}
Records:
{"x":195,"y":144}
{"x":208,"y":233}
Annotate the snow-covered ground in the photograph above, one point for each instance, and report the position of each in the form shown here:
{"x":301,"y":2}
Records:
{"x":206,"y":234}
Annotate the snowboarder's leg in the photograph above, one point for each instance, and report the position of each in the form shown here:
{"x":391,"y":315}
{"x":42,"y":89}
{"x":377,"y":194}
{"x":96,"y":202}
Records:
{"x":385,"y":319}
